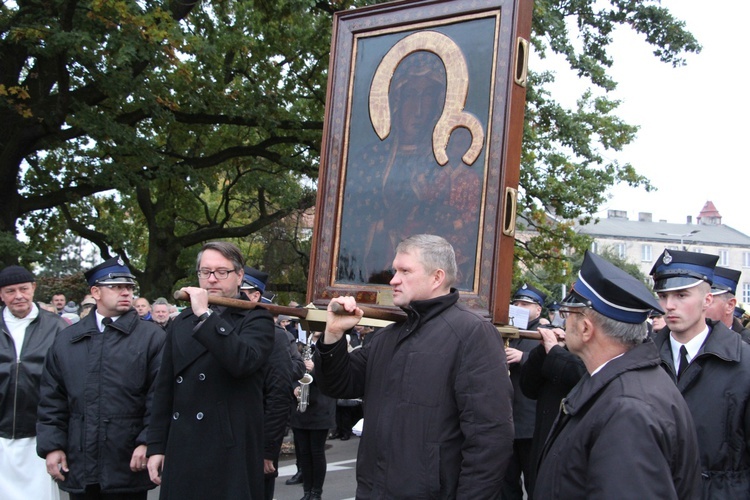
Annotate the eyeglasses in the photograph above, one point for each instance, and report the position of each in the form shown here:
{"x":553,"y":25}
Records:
{"x":219,"y":274}
{"x":119,"y":288}
{"x":565,"y":313}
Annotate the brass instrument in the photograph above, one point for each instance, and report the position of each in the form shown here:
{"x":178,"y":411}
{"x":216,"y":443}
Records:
{"x":304,"y":390}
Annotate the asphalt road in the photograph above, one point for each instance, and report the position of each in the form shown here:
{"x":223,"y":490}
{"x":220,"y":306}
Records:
{"x":340,"y":483}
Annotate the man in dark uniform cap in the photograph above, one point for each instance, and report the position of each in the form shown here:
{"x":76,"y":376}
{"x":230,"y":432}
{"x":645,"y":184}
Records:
{"x":96,"y":394}
{"x":724,"y":290}
{"x":524,"y":409}
{"x":710,"y":365}
{"x":624,"y":429}
{"x":277,"y":383}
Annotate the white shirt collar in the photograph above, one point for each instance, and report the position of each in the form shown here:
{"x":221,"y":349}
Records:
{"x":604,"y":364}
{"x":693,"y":346}
{"x":99,"y":319}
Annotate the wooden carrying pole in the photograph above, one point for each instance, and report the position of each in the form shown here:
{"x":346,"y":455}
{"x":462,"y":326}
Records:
{"x":319,"y":321}
{"x":297,"y":312}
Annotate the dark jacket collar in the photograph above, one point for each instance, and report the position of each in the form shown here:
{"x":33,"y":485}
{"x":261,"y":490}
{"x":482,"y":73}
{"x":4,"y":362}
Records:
{"x":125,"y":324}
{"x":421,"y":311}
{"x":641,"y":356}
{"x":721,"y":342}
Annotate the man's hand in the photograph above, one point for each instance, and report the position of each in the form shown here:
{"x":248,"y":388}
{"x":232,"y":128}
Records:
{"x":513,"y":355}
{"x":552,"y":337}
{"x":155,"y":465}
{"x":338,"y":324}
{"x":138,"y":460}
{"x":268,"y":467}
{"x":198,"y":299}
{"x":57,"y":463}
{"x":309,"y":365}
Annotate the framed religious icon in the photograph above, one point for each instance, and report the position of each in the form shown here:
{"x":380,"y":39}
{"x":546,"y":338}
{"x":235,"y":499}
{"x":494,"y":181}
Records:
{"x":423,"y":128}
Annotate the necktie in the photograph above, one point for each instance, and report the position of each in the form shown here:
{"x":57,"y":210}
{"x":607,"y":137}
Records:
{"x":683,"y":362}
{"x":105,"y":322}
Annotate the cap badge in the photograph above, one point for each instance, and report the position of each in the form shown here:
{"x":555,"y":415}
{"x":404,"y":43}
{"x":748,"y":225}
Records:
{"x":525,"y":286}
{"x":667,"y":258}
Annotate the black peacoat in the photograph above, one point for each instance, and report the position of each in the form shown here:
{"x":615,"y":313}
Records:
{"x":208,"y":405}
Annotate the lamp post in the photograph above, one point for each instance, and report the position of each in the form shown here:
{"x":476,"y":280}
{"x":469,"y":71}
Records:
{"x":682,"y":236}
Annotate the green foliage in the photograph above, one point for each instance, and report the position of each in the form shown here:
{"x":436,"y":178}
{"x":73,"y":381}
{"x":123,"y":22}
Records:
{"x":566,"y":159}
{"x":151,"y":127}
{"x":73,"y":285}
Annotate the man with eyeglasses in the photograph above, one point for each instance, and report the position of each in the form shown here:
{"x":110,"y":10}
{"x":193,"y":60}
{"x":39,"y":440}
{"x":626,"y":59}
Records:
{"x":624,"y":430}
{"x":206,"y":432}
{"x":710,"y":364}
{"x":96,"y":393}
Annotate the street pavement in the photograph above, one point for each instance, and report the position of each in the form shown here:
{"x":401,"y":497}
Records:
{"x":340,"y":483}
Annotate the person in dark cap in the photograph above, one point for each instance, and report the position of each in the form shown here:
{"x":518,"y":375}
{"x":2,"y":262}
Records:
{"x":722,"y":309}
{"x":524,"y":409}
{"x":26,"y":333}
{"x":206,"y":430}
{"x":554,"y":315}
{"x":277,"y":384}
{"x":624,"y":429}
{"x":710,"y":365}
{"x":96,"y":394}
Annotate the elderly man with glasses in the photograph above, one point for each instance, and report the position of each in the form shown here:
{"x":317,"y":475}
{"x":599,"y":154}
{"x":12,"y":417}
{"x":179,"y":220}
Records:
{"x":96,"y":394}
{"x":623,"y":430}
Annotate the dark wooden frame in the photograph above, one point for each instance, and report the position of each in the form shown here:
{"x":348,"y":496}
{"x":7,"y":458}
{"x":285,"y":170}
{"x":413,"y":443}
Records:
{"x":490,"y":293}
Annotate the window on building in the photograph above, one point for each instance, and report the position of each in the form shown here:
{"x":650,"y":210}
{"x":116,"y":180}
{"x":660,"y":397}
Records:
{"x":745,"y":259}
{"x":724,"y":258}
{"x":746,"y":292}
{"x":646,"y":253}
{"x":595,"y":247}
{"x":620,"y":249}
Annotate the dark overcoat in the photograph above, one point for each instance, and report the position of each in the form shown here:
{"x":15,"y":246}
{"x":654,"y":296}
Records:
{"x":626,"y":432}
{"x":547,"y":377}
{"x":716,"y":386}
{"x":208,"y":405}
{"x":96,"y":398}
{"x":437,"y":403}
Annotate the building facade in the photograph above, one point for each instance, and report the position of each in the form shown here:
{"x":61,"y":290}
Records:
{"x":642,"y":241}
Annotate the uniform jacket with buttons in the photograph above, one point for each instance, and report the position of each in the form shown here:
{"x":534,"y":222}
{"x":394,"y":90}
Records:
{"x":96,"y":395}
{"x":208,"y":405}
{"x":437,"y":402}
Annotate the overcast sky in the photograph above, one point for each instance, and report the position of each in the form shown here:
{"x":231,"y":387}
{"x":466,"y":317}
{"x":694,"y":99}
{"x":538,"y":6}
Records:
{"x":693,"y":119}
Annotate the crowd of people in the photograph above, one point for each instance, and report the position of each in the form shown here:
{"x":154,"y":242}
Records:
{"x":626,"y":392}
{"x":160,"y":312}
